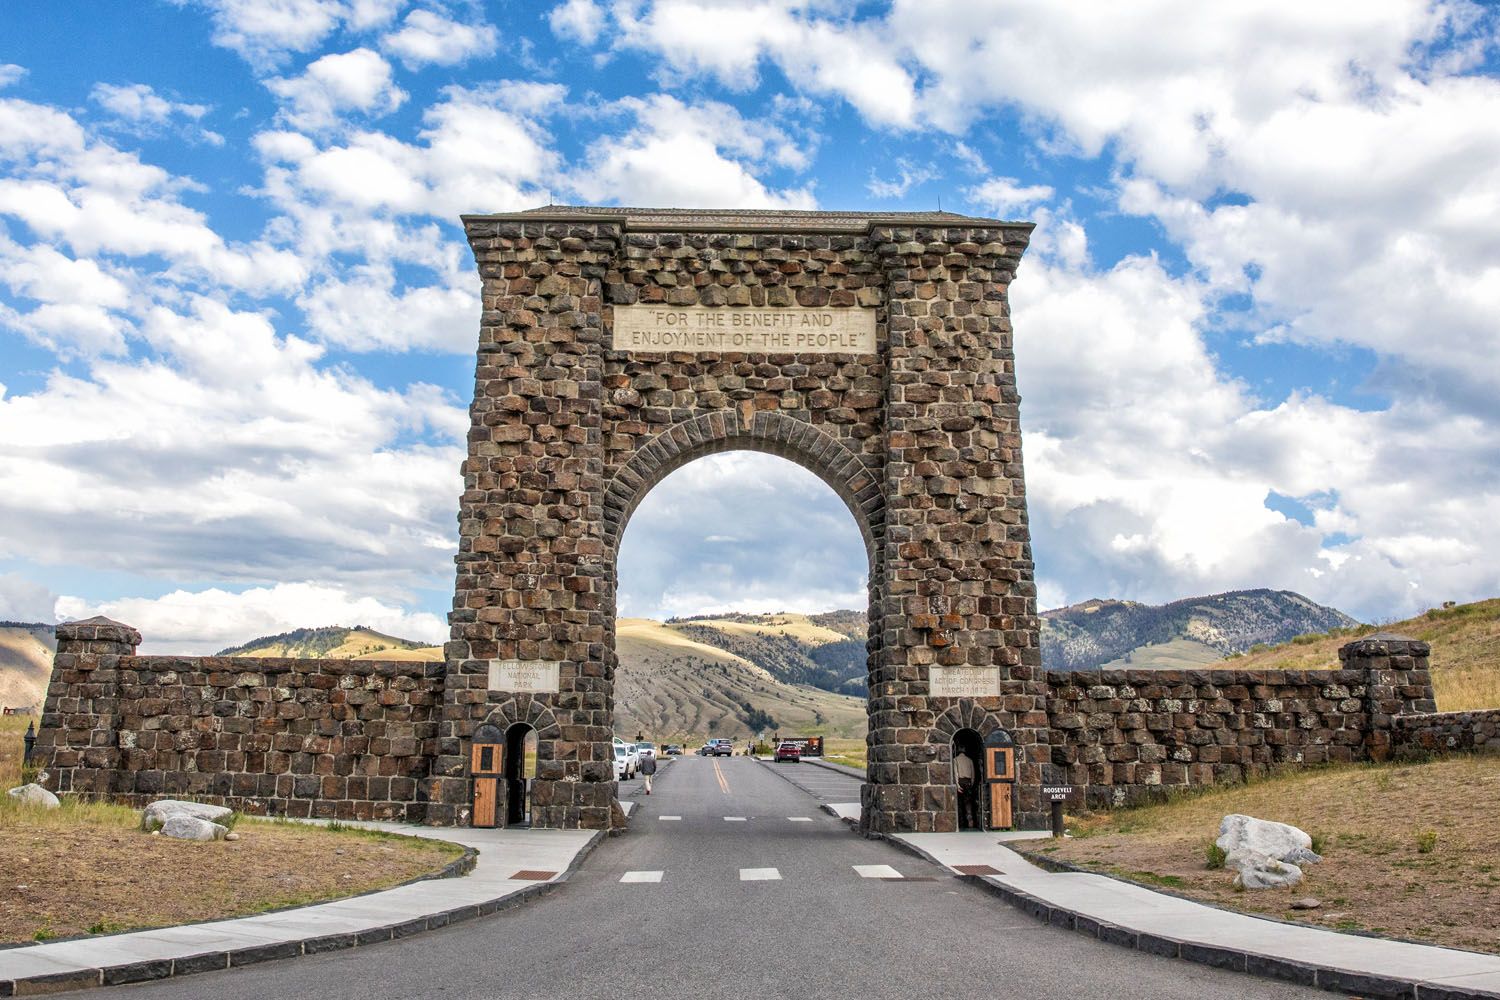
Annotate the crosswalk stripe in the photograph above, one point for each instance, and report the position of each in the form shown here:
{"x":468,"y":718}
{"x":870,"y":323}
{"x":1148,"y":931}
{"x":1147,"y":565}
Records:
{"x":759,"y":875}
{"x":668,"y":819}
{"x":876,"y":871}
{"x":800,"y":819}
{"x":734,"y":819}
{"x":641,"y":877}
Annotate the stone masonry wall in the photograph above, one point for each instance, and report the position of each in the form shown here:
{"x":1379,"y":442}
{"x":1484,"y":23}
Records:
{"x":1125,"y":735}
{"x":1446,"y":732}
{"x":328,"y":738}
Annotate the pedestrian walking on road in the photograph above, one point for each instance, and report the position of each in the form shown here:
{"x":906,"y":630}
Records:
{"x":648,"y":768}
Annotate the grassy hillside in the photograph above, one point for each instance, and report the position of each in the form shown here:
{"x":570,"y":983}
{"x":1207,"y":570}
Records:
{"x":1465,"y":652}
{"x":333,"y":643}
{"x":672,"y":686}
{"x":1174,"y":654}
{"x":25,"y":663}
{"x":797,"y":649}
{"x":1183,"y":633}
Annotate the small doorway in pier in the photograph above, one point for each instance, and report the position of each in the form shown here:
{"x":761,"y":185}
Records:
{"x":968,"y":775}
{"x":520,"y":769}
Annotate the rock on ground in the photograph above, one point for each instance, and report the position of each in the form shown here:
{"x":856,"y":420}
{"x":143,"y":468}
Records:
{"x":1302,"y":856}
{"x":1265,"y":854}
{"x":158,"y":812}
{"x":1267,"y":873}
{"x":181,"y":826}
{"x":1246,"y":835}
{"x":34,"y":795}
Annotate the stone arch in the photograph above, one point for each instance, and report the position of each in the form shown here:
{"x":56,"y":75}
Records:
{"x":767,"y":431}
{"x":523,"y":709}
{"x":607,"y":358}
{"x":965,"y":714}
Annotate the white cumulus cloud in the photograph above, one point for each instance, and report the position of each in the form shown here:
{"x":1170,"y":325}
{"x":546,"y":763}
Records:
{"x":427,"y":37}
{"x":200,"y":622}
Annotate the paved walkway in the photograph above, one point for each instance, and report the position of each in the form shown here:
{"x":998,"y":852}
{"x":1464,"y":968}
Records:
{"x":539,"y":857}
{"x":1134,"y":916}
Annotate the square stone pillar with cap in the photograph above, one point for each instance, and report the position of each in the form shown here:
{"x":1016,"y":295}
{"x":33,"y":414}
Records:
{"x":78,"y":743}
{"x":1398,"y":682}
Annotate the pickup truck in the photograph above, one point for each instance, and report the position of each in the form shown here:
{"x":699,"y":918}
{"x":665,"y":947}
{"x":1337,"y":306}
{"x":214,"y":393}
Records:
{"x":720,"y":748}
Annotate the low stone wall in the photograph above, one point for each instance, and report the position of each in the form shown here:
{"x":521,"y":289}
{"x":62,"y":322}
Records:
{"x":1125,"y":736}
{"x":1445,"y":732}
{"x":326,"y":738}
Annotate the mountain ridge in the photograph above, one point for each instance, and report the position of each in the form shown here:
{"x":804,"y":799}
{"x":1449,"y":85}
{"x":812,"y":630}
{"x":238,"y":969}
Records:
{"x":1192,"y":631}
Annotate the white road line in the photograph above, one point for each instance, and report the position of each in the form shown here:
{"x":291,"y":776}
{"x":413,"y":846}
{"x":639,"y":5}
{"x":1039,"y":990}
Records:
{"x":876,"y":871}
{"x":669,"y":819}
{"x":734,"y":819}
{"x":800,"y":819}
{"x":641,"y":877}
{"x":759,"y":875}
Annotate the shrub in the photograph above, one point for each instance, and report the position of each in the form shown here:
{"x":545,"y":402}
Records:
{"x":1427,"y":841}
{"x":1214,"y":856}
{"x":1319,"y":843}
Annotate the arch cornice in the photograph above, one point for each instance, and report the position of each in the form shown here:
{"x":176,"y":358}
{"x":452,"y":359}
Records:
{"x":966,"y":714}
{"x":528,"y":710}
{"x":767,"y":431}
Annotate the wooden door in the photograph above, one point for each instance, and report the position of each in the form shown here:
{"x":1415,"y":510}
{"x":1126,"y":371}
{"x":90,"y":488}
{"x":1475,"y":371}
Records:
{"x":485,"y":764}
{"x":1000,"y":818}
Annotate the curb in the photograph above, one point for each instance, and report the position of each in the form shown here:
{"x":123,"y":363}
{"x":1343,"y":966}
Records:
{"x":852,"y":772}
{"x":1322,"y":977}
{"x":215,"y":961}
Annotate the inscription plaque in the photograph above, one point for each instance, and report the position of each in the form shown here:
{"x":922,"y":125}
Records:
{"x":779,"y":330}
{"x":535,"y":676}
{"x":963,"y":682}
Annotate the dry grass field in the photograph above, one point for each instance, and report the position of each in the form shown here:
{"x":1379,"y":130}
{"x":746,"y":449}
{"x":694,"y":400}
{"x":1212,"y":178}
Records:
{"x":12,"y":729}
{"x":86,"y":868}
{"x":1465,"y":653}
{"x":1409,"y":850}
{"x":851,"y":753}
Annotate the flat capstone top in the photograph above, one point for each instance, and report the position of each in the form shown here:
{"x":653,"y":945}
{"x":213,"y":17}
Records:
{"x":741,"y":220}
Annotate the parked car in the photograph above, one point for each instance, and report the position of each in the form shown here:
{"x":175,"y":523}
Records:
{"x":646,"y":750}
{"x":631,"y":755}
{"x":721,"y":748}
{"x":788,"y":751}
{"x":622,"y":763}
{"x":672,"y":750}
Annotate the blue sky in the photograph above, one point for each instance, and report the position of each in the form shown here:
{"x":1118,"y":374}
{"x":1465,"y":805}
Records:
{"x":1256,"y":331}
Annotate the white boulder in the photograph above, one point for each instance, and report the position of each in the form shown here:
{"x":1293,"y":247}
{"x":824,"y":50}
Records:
{"x":34,"y":795}
{"x":1265,"y":854}
{"x":158,"y":812}
{"x":1267,"y":873}
{"x":1246,"y":835}
{"x":181,"y":826}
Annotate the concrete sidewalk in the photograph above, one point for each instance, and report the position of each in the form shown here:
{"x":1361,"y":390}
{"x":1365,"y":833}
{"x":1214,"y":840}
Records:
{"x":1136,"y":917}
{"x":512,"y":865}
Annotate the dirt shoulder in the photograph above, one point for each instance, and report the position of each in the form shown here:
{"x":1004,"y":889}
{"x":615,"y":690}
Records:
{"x":88,"y":869}
{"x":1410,"y":851}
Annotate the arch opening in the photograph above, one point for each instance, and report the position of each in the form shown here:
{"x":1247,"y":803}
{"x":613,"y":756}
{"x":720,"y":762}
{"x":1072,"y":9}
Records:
{"x":770,"y":538}
{"x":520,"y":771}
{"x":968,"y":774}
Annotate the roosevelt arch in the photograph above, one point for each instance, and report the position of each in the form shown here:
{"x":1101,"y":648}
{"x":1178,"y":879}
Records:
{"x":903,"y":401}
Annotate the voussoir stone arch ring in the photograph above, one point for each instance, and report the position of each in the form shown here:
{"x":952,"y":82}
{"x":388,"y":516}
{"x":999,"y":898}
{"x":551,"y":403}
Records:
{"x":770,"y":432}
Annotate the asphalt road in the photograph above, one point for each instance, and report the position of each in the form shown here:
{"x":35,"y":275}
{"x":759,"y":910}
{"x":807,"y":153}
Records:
{"x":758,"y":897}
{"x":822,"y":783}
